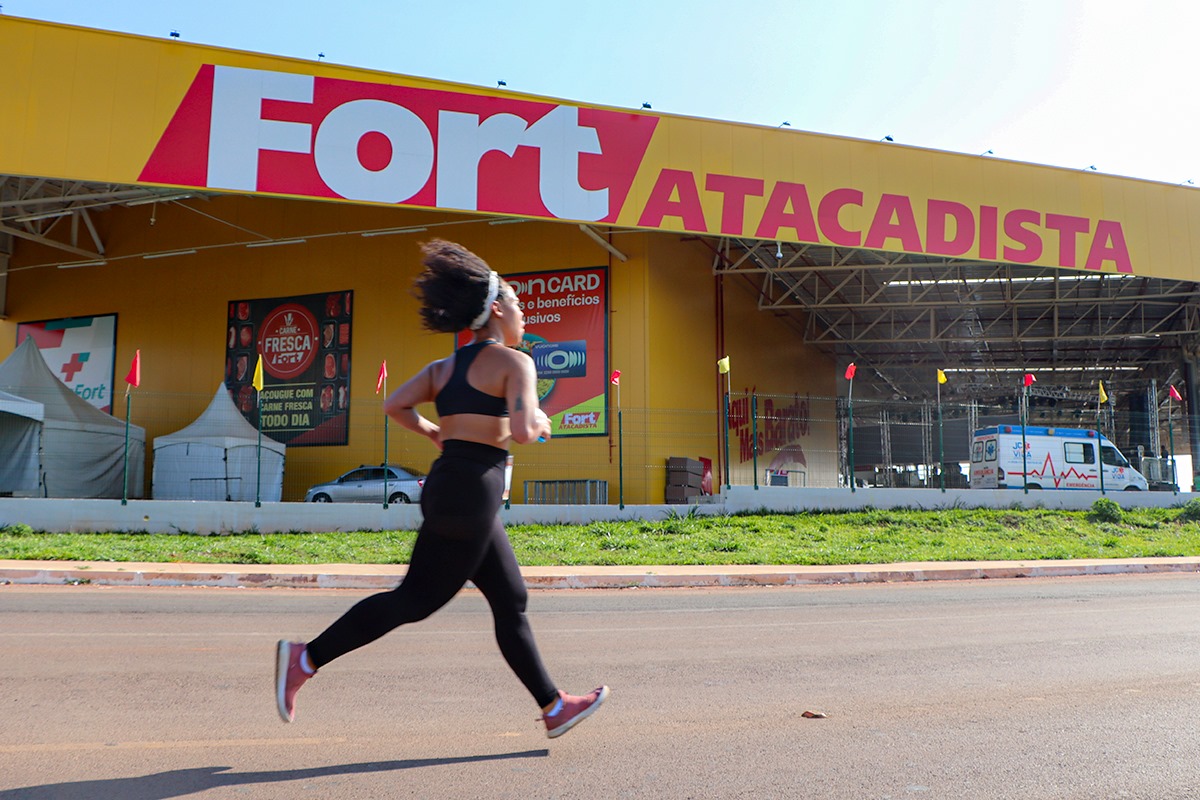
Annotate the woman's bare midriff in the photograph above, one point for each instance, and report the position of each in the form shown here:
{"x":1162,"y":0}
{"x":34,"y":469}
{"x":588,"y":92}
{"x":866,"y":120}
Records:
{"x":478,"y":428}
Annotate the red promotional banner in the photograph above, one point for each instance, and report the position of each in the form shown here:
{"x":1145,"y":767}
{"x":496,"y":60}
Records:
{"x":305,"y":347}
{"x":566,"y":334}
{"x":228,"y":121}
{"x":313,"y":136}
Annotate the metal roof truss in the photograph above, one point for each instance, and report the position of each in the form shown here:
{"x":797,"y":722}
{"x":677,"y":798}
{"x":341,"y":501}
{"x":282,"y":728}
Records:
{"x":901,"y":317}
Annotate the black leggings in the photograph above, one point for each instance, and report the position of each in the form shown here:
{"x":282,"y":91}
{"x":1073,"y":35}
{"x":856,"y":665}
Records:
{"x":461,"y":539}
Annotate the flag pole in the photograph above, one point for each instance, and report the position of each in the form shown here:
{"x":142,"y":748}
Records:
{"x":620,"y":447}
{"x":729,"y":400}
{"x":381,"y":384}
{"x":726,"y":426}
{"x":1100,"y":435}
{"x":723,"y":369}
{"x":1024,"y":425}
{"x":125,"y":475}
{"x":386,"y":471}
{"x":850,"y":435}
{"x":257,"y":382}
{"x":258,"y":479}
{"x":1171,"y":439}
{"x":941,"y":442}
{"x":133,"y":379}
{"x":850,"y":426}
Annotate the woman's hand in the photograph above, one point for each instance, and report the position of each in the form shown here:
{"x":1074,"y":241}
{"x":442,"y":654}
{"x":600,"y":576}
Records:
{"x":543,"y":424}
{"x":434,"y":432}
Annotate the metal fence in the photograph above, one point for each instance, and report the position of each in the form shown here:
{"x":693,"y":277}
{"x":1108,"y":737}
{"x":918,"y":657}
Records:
{"x":567,"y":492}
{"x":772,"y":440}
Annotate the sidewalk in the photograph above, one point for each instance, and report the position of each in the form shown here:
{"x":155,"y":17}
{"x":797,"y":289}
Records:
{"x":375,"y":577}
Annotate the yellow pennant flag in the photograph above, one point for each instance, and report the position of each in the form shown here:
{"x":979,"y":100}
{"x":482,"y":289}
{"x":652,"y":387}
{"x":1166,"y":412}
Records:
{"x":941,"y":376}
{"x":258,"y":376}
{"x":723,"y":365}
{"x":1103,"y":394}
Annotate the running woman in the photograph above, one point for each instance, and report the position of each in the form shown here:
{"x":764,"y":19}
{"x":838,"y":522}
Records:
{"x":485,"y":395}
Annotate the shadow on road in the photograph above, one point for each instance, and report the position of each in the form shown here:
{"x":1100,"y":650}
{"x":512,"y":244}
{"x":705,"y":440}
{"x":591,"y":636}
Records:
{"x":182,"y":782}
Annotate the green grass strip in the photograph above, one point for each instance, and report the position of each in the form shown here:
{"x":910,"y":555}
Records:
{"x":865,"y":537}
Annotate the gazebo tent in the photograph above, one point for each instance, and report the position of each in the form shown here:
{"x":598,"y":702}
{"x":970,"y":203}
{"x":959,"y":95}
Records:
{"x":82,"y":447}
{"x":21,"y":443}
{"x":216,"y":458}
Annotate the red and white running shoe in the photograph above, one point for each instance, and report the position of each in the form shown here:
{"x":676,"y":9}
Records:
{"x":571,"y":710}
{"x":289,"y":677}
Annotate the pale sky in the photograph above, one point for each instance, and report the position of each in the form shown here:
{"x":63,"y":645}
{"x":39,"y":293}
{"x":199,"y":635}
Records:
{"x":1072,"y":83}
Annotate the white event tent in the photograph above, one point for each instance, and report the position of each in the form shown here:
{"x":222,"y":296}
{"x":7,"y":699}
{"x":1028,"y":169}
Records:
{"x":21,"y":423}
{"x":216,"y":458}
{"x":83,"y":448}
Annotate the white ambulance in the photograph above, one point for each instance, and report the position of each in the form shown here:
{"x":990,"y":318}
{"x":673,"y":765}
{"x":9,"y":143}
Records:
{"x":1055,"y":458}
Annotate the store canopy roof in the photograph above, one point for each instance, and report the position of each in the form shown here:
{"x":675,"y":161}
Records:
{"x":901,"y":317}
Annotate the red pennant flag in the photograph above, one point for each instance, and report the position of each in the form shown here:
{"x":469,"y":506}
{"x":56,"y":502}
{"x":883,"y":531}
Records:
{"x":1175,"y":394}
{"x":1029,"y":379}
{"x":134,"y":378}
{"x":615,"y":378}
{"x":850,"y":370}
{"x":382,"y":376}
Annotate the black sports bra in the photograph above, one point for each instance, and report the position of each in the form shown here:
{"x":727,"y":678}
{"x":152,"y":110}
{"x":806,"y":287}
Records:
{"x":460,"y":397}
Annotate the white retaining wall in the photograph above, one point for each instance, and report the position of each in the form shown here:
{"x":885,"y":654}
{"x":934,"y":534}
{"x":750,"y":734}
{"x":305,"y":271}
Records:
{"x":183,"y":516}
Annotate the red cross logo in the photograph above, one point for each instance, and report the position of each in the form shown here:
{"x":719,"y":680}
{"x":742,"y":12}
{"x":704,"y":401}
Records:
{"x":74,"y":365}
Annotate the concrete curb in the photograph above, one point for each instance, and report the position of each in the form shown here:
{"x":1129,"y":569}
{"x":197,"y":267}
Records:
{"x":377,"y":577}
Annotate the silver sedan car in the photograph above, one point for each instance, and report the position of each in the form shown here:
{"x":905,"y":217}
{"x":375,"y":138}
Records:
{"x":366,"y":484}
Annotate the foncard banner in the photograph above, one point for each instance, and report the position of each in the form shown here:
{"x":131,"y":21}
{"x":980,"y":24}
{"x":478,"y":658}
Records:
{"x":566,"y":334}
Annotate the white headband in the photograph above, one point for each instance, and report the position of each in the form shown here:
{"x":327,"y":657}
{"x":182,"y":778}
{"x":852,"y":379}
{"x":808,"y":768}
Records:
{"x":493,"y":292}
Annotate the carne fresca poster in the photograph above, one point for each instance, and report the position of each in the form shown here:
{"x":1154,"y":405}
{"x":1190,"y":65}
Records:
{"x":304,"y":342}
{"x":566,"y":334}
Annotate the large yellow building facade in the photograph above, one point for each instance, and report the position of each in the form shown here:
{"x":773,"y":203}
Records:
{"x":281,"y":179}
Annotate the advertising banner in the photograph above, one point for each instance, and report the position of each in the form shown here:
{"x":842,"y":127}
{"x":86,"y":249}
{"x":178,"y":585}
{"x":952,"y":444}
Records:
{"x":304,"y":342}
{"x":383,"y":143}
{"x":81,"y":351}
{"x":566,"y":334}
{"x":228,"y":121}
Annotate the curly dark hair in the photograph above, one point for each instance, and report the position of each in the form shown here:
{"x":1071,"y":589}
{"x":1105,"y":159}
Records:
{"x":452,"y":288}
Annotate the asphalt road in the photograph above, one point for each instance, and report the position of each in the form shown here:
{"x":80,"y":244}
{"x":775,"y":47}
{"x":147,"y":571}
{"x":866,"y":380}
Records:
{"x":1034,"y":688}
